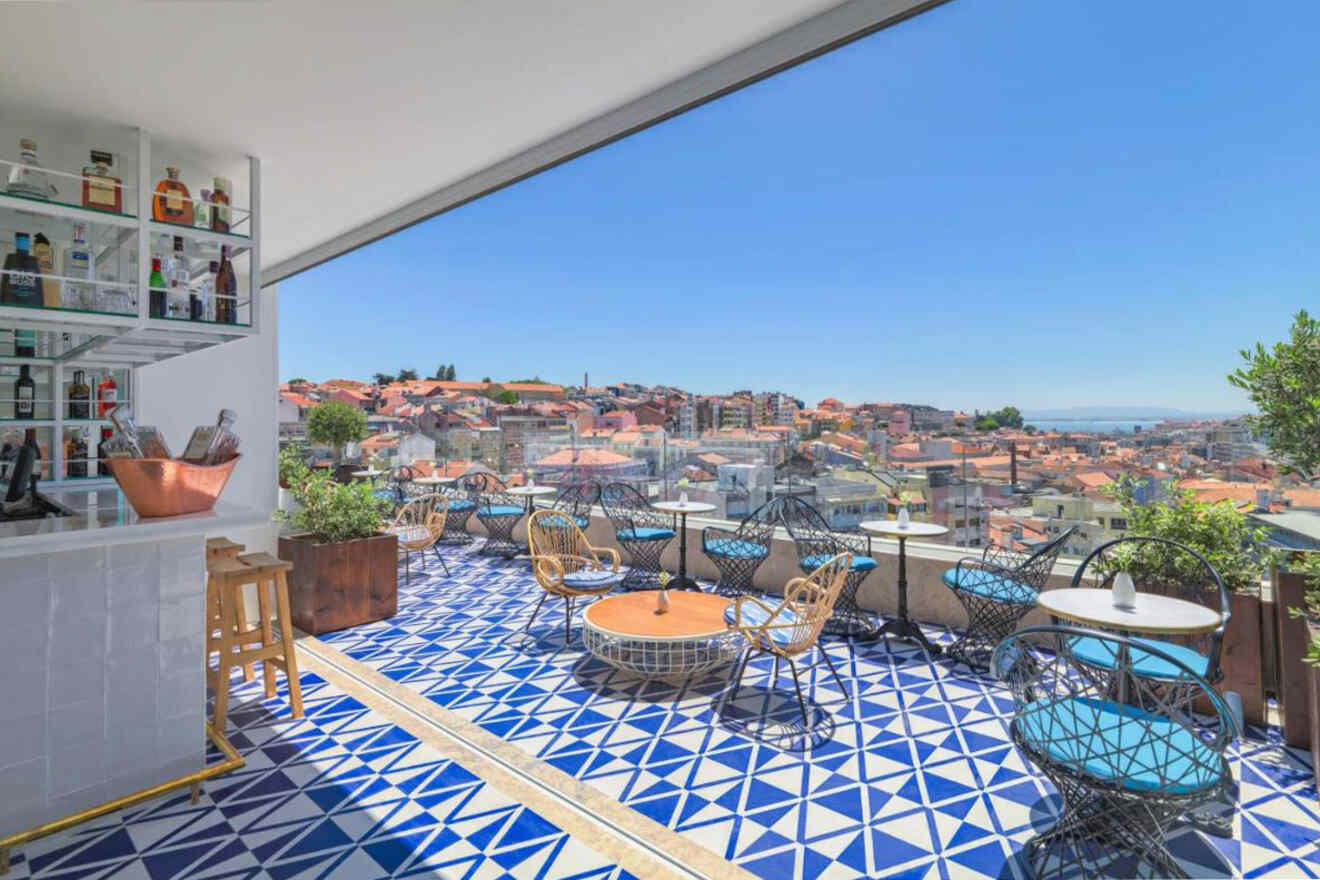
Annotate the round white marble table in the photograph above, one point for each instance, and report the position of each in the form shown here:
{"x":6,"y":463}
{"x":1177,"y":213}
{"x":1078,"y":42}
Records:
{"x":903,"y":626}
{"x":368,"y":474}
{"x":435,"y":481}
{"x":1153,"y":613}
{"x":531,"y":493}
{"x":683,"y":508}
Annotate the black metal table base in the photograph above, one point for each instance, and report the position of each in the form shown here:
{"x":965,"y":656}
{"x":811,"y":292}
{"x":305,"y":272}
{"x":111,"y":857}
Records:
{"x":908,"y":630}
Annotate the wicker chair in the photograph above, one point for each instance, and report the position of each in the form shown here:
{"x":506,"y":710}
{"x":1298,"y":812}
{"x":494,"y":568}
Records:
{"x":815,"y":543}
{"x":576,"y":500}
{"x":998,"y":589}
{"x":496,"y":509}
{"x":418,"y":525}
{"x":738,"y":553}
{"x":641,"y":529}
{"x":791,"y":628}
{"x":1126,"y":769}
{"x":1169,"y":569}
{"x":567,"y":566}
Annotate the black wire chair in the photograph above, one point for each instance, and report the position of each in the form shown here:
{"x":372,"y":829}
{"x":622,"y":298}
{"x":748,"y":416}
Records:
{"x":459,"y":511}
{"x":641,"y":530}
{"x":1126,"y":768}
{"x":998,"y":589}
{"x":738,"y":553}
{"x":815,"y":543}
{"x":496,"y":509}
{"x":576,"y":500}
{"x":1170,"y":569}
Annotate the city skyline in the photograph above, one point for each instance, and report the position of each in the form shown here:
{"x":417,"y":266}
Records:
{"x":920,"y":217}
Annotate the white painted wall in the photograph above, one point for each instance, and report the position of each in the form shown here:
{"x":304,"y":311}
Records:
{"x":180,"y":394}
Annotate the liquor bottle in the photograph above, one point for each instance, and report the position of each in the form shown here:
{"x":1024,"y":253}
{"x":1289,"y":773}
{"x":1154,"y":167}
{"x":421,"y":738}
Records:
{"x":140,"y":441}
{"x":30,"y":440}
{"x":107,"y":396}
{"x":180,"y":279}
{"x":202,"y":211}
{"x":213,"y":444}
{"x":75,"y":454}
{"x":159,"y":292}
{"x":25,"y":394}
{"x":27,"y":178}
{"x":220,"y":213}
{"x":25,"y":343}
{"x":77,"y":264}
{"x":226,"y":290}
{"x":50,"y":287}
{"x":206,"y":292}
{"x":20,"y":286}
{"x":103,"y":453}
{"x":101,"y":191}
{"x":173,"y":203}
{"x":79,"y":395}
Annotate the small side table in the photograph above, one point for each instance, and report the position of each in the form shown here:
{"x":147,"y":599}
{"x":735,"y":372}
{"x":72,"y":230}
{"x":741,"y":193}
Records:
{"x":368,"y":475}
{"x":531,"y":493}
{"x":683,"y":508}
{"x":435,"y":481}
{"x":903,"y":626}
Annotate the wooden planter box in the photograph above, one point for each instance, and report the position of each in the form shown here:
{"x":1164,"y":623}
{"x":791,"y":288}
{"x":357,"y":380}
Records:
{"x":1293,"y":638}
{"x":1243,"y":659}
{"x":1313,"y":704}
{"x":335,"y":586}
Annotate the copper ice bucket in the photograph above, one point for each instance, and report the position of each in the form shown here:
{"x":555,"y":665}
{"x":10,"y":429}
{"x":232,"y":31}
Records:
{"x":168,"y":486}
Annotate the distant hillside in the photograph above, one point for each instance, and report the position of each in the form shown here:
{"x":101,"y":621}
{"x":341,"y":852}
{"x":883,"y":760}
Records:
{"x":1120,"y":413}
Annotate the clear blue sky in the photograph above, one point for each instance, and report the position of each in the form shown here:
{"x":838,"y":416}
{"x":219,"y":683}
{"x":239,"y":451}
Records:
{"x":1046,"y":203}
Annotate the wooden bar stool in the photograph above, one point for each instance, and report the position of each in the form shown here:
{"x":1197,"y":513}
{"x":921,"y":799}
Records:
{"x":217,"y":549}
{"x":239,"y":645}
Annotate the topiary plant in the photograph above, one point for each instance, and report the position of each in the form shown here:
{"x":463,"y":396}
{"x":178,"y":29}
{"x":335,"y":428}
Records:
{"x":336,"y":423}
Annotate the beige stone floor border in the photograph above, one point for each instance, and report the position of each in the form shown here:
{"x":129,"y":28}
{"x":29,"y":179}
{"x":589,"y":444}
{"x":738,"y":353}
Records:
{"x":639,"y":844}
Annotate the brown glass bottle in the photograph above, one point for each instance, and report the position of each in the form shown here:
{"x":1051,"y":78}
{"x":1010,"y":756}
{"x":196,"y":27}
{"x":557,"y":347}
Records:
{"x":226,"y":290}
{"x":173,"y":202}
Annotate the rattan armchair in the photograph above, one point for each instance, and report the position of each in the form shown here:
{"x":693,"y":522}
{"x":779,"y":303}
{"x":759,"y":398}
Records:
{"x":1126,"y":768}
{"x":792,"y":627}
{"x":998,"y":589}
{"x":640,"y":529}
{"x":815,"y":543}
{"x":738,"y":553}
{"x":565,"y":565}
{"x":496,"y":510}
{"x":418,"y":525}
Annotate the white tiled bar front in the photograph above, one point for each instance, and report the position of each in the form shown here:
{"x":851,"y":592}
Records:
{"x":102,"y":655}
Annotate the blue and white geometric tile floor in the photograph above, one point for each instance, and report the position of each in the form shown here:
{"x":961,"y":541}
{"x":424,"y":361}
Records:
{"x":341,"y":793}
{"x":909,"y":773}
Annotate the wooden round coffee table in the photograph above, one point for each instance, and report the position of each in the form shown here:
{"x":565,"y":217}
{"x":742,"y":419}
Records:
{"x":690,"y":638}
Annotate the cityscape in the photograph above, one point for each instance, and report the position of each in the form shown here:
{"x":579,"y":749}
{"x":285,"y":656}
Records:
{"x":990,"y":478}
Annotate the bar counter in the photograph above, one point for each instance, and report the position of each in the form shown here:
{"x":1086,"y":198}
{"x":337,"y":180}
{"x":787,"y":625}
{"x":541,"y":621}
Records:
{"x":102,"y":653}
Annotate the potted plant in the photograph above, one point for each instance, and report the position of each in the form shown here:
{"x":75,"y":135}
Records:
{"x":1281,"y":381}
{"x":343,"y":565}
{"x":293,"y":470}
{"x":336,"y":424}
{"x":1239,"y":551}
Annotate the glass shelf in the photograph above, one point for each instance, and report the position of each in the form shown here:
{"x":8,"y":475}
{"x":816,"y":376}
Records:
{"x":247,"y":325}
{"x":57,"y":208}
{"x":199,"y":231}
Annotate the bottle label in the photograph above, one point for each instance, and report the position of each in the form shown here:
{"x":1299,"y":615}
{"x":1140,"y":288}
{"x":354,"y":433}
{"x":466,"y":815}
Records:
{"x":173,"y":202}
{"x":24,"y":402}
{"x":101,"y":191}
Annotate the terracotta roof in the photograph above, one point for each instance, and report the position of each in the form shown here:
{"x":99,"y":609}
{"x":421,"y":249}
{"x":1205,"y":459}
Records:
{"x":530,"y":386}
{"x":588,"y":457}
{"x":299,"y":399}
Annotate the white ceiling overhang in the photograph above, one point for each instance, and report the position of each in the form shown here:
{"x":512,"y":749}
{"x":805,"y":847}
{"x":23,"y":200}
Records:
{"x":370,"y":117}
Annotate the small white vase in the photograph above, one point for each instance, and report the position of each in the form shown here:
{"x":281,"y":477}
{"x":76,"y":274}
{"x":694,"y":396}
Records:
{"x":662,"y":601}
{"x":682,"y":498}
{"x":904,"y":518}
{"x":1125,"y":592}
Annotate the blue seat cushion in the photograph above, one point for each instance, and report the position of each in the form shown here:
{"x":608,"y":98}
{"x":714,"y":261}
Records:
{"x":645,"y":533}
{"x":781,"y":632}
{"x":592,"y":579}
{"x":736,"y":548}
{"x":859,"y":563}
{"x":385,"y":494}
{"x":460,"y":504}
{"x":1101,"y":653}
{"x":559,"y":521}
{"x":989,"y":585}
{"x":500,"y":510}
{"x":1120,"y":745}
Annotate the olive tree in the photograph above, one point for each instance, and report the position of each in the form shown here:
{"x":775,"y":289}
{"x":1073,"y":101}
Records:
{"x":336,"y":423}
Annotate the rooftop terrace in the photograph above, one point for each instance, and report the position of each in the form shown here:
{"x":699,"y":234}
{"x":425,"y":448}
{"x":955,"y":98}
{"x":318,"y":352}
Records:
{"x":441,"y":743}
